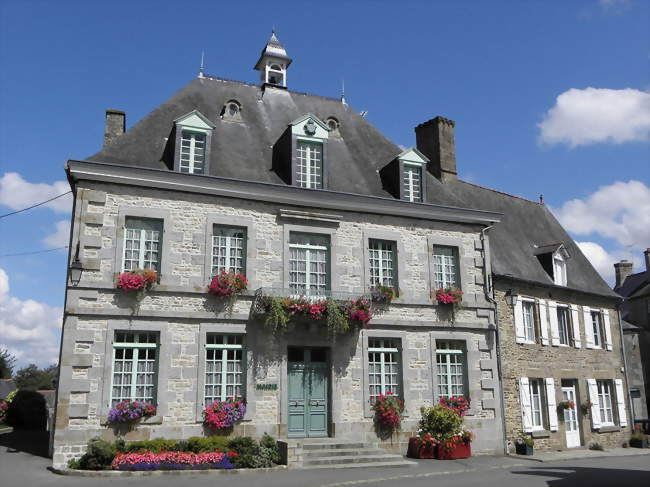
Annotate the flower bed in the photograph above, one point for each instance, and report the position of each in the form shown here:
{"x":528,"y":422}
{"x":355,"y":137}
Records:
{"x":224,"y":414}
{"x":130,"y":411}
{"x":137,"y":280}
{"x":4,"y":405}
{"x":226,"y":284}
{"x":172,"y":461}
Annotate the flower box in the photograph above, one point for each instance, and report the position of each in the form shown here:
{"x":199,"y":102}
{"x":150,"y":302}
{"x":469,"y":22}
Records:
{"x":418,"y":449}
{"x":459,"y":450}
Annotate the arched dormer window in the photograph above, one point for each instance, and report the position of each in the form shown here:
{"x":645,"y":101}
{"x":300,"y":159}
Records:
{"x":231,"y":111}
{"x":192,"y":143}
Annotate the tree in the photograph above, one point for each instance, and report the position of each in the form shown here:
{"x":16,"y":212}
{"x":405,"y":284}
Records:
{"x":32,"y":378}
{"x":7,"y":361}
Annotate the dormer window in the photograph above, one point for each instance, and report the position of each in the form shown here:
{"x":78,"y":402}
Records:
{"x":192,"y":148}
{"x":553,"y":258}
{"x":231,"y":111}
{"x":412,"y":183}
{"x":559,"y":270}
{"x":403,"y":177}
{"x":310,"y":164}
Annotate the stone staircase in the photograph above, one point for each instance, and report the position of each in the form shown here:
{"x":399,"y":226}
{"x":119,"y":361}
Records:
{"x":331,"y":453}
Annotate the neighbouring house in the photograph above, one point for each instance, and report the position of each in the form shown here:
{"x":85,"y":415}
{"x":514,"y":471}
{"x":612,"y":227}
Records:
{"x":6,"y":386}
{"x":635,"y":289}
{"x":311,"y":202}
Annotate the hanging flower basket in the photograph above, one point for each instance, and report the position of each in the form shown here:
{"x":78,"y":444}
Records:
{"x":383,"y":294}
{"x":565,"y":405}
{"x":137,"y":280}
{"x":359,"y":312}
{"x":449,"y":295}
{"x":585,"y":407}
{"x":388,"y":410}
{"x":226,"y":284}
{"x":224,"y":414}
{"x":130,"y":412}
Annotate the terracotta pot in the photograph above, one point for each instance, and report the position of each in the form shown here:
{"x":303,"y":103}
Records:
{"x":460,"y":450}
{"x":418,"y":450}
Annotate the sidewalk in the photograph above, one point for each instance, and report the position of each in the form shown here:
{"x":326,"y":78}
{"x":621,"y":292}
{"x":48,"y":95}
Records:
{"x":578,"y":454}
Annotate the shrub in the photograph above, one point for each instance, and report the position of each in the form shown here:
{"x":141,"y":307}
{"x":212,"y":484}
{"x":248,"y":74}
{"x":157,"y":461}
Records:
{"x":439,"y":420}
{"x":596,"y":446}
{"x":197,"y":444}
{"x":269,"y":449}
{"x":156,"y":445}
{"x":27,"y":411}
{"x":247,"y":451}
{"x":98,"y":456}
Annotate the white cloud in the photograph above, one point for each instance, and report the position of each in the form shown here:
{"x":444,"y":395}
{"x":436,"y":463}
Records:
{"x":16,"y":193}
{"x":620,"y":211}
{"x":28,"y":329}
{"x":604,"y":261}
{"x":61,"y":237}
{"x":597,"y":115}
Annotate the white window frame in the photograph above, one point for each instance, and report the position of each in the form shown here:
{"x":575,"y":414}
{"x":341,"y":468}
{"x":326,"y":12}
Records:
{"x":229,"y":346}
{"x":449,"y":354}
{"x":231,"y":245}
{"x":140,"y":355}
{"x":539,"y":397}
{"x":187,"y":162}
{"x":563,"y":311}
{"x":309,"y":167}
{"x":382,"y":263}
{"x":559,"y":270}
{"x":410,"y":183}
{"x":388,"y":355}
{"x":605,"y":404}
{"x":530,"y":326}
{"x":143,"y":262}
{"x":311,"y":254}
{"x":446,"y":268}
{"x":597,"y":327}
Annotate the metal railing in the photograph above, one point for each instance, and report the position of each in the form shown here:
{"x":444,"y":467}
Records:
{"x":311,"y":296}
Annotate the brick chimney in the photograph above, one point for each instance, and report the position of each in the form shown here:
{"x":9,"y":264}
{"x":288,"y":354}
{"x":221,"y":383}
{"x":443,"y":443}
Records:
{"x":622,"y":270}
{"x":646,"y":254}
{"x":435,"y":139}
{"x":115,"y":125}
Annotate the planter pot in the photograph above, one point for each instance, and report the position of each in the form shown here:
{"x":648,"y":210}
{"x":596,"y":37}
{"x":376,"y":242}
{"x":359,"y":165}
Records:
{"x":524,"y":449}
{"x":417,"y":450}
{"x":461,"y":450}
{"x":637,"y":443}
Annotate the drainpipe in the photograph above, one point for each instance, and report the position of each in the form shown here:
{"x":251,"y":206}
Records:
{"x":627,"y":382}
{"x":489,"y":291}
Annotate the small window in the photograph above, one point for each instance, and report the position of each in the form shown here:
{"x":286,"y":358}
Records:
{"x":597,"y":325}
{"x":445,"y":267}
{"x":308,"y":264}
{"x":412,"y":183}
{"x":231,"y":111}
{"x":450,"y":368}
{"x":135,"y":364}
{"x":559,"y":270}
{"x":224,"y":376}
{"x":275,"y":75}
{"x":310,"y":164}
{"x":382,"y":257}
{"x":333,"y":125}
{"x":142,"y":244}
{"x":228,"y":250}
{"x":192,"y":159}
{"x":564,"y":325}
{"x":530,"y":321}
{"x":537,"y":402}
{"x":605,"y":402}
{"x":383,"y":367}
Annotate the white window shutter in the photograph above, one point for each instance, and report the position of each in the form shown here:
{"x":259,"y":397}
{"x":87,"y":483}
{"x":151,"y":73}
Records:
{"x":589,"y":327}
{"x":620,"y":402}
{"x":551,"y":404}
{"x":608,"y":329}
{"x":575,"y":321}
{"x":595,"y":404}
{"x":543,"y":322}
{"x":555,"y":332}
{"x":519,"y":322}
{"x":526,"y":408}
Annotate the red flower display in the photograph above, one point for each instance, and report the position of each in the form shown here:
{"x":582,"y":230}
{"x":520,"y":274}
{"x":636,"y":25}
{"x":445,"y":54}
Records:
{"x":458,"y":404}
{"x":137,"y":280}
{"x":448,"y":295}
{"x":227,"y":284}
{"x":388,"y":410}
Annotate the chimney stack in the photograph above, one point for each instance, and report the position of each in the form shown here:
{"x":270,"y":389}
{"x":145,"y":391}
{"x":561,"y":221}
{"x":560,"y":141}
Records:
{"x":646,"y":254}
{"x":622,"y":270}
{"x":115,"y":126}
{"x":435,"y":139}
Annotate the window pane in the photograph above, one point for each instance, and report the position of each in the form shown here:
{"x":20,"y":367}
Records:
{"x":223,"y":368}
{"x":412,"y":183}
{"x":445,"y":267}
{"x":310,"y":165}
{"x":134,"y":367}
{"x":308,"y":264}
{"x":142,"y":244}
{"x":192,"y":154}
{"x":382,"y":263}
{"x":228,"y":250}
{"x":383,"y":367}
{"x":450,"y":368}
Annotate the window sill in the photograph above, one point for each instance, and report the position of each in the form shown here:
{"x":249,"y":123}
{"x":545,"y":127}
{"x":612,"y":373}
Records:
{"x":158,"y":419}
{"x":540,"y":434}
{"x":610,"y":428}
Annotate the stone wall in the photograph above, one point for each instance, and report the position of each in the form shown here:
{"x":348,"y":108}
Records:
{"x":559,"y":362}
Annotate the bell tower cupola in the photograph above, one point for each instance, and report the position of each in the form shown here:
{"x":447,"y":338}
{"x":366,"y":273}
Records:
{"x":273,"y":63}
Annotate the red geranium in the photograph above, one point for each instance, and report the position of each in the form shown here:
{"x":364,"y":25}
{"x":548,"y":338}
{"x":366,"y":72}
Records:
{"x":448,"y":295}
{"x":227,"y":283}
{"x":137,"y":279}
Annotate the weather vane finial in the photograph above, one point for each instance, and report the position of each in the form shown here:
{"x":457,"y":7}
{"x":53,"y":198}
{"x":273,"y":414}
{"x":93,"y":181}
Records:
{"x":202,"y":67}
{"x":343,"y":91}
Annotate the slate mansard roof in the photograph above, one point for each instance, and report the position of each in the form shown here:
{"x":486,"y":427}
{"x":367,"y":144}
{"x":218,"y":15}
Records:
{"x":244,"y":151}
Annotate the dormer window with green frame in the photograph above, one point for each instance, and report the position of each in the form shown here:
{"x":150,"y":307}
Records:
{"x":404,"y":176}
{"x":192,"y":148}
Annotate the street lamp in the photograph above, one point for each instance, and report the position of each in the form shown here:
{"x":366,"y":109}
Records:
{"x":76,"y":268}
{"x":511,"y":298}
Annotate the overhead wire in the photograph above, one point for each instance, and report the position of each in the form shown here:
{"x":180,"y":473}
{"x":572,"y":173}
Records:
{"x":34,"y":206}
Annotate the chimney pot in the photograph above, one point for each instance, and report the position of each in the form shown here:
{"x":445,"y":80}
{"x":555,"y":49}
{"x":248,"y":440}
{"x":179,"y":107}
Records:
{"x":435,"y":139}
{"x":622,"y":269}
{"x":115,"y":125}
{"x":646,"y":254}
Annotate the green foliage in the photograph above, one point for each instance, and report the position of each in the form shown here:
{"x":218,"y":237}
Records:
{"x":247,"y":450}
{"x":156,"y":445}
{"x":596,"y":446}
{"x":98,"y":456}
{"x":27,"y":410}
{"x":336,"y":320}
{"x":7,"y":362}
{"x":439,"y":420}
{"x":269,"y":448}
{"x":31,"y":378}
{"x":524,"y":439}
{"x":74,"y":463}
{"x":197,"y":444}
{"x":277,"y":318}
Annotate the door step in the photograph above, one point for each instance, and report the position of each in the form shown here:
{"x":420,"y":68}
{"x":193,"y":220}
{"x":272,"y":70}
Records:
{"x":339,"y":454}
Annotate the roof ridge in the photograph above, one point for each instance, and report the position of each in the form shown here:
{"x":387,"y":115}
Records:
{"x":503,"y":193}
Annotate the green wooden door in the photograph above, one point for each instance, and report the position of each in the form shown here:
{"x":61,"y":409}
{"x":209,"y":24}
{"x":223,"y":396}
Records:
{"x":307,"y":393}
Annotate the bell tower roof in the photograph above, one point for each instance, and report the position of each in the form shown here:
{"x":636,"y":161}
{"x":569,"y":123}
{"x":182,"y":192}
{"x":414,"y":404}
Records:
{"x":273,"y":50}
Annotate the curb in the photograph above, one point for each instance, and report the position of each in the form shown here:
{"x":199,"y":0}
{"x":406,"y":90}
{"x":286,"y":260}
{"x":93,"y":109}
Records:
{"x":581,"y":457}
{"x":148,"y":473}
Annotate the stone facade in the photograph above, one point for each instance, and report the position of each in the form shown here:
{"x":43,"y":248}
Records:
{"x":181,"y":313}
{"x":565,"y":364}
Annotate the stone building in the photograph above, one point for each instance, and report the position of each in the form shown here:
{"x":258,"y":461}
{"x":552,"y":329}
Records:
{"x":635,"y":310}
{"x":303,"y":195}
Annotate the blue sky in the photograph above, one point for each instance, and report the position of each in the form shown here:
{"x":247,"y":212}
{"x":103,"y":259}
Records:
{"x":496,"y":68}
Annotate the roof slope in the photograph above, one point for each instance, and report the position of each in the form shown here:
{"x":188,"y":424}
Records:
{"x":244,"y":150}
{"x":634,"y":285}
{"x":526,"y":225}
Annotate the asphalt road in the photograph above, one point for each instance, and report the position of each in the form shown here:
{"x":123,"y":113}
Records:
{"x":25,"y":466}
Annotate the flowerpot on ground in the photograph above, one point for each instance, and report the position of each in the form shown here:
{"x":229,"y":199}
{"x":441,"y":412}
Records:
{"x":639,"y":442}
{"x":524,"y":449}
{"x":459,"y":450}
{"x":418,"y":449}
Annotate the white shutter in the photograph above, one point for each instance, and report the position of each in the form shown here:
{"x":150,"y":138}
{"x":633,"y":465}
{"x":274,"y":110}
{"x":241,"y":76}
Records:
{"x":589,"y":327}
{"x":519,"y":322}
{"x":575,"y":321}
{"x":543,"y":322}
{"x":555,"y":333}
{"x":595,"y":404}
{"x":526,"y":408}
{"x":608,"y":329}
{"x":551,"y":404}
{"x":620,"y":402}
